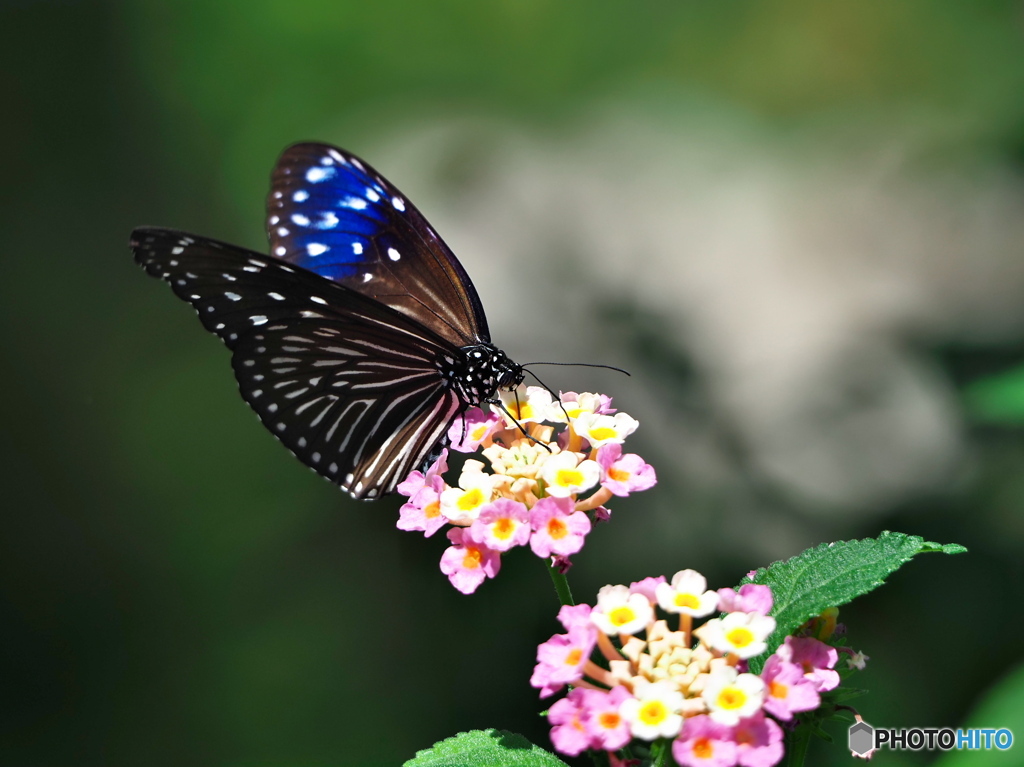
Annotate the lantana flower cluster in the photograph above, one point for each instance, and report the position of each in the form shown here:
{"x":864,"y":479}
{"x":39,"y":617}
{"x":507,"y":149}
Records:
{"x":548,"y":468}
{"x":632,"y":676}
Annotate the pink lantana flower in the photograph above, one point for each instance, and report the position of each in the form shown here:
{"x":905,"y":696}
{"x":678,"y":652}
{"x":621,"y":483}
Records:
{"x":648,"y":586}
{"x":704,"y":742}
{"x":574,"y":615}
{"x":758,"y":741}
{"x":624,"y":474}
{"x":608,"y":729}
{"x":787,"y":689}
{"x":557,"y":527}
{"x":751,"y":598}
{"x":569,"y":734}
{"x":560,"y":660}
{"x":423,"y":510}
{"x":466,"y":434}
{"x":468,"y":562}
{"x":817,"y":660}
{"x":502,"y":524}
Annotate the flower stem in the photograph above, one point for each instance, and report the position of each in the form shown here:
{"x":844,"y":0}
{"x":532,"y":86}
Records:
{"x":561,"y":586}
{"x":659,"y":752}
{"x":797,"y":742}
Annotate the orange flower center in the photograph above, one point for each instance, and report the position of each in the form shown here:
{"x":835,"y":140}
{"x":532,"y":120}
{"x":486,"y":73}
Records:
{"x":619,"y":475}
{"x":472,"y":558}
{"x":432,"y":510}
{"x":557,"y":529}
{"x":703,"y":748}
{"x":609,"y":720}
{"x":504,"y":528}
{"x":778,"y":690}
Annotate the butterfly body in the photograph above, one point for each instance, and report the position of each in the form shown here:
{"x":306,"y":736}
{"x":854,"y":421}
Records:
{"x":357,"y":360}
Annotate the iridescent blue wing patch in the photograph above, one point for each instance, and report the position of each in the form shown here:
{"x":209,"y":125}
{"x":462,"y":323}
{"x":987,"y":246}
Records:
{"x":333,"y":214}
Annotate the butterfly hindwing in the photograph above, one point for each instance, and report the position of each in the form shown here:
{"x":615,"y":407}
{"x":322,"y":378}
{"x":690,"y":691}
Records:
{"x":350,"y":385}
{"x":332,"y":213}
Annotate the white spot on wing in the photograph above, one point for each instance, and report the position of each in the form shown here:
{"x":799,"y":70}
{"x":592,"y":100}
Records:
{"x":301,"y":196}
{"x":258,"y":319}
{"x":276,"y":296}
{"x":393,"y":254}
{"x":232,"y":296}
{"x":371,"y":195}
{"x":299,"y":219}
{"x":318,"y":300}
{"x":316,"y":175}
{"x":280,"y":250}
{"x":355,"y":203}
{"x":357,"y":248}
{"x":316,"y":248}
{"x":399,"y":203}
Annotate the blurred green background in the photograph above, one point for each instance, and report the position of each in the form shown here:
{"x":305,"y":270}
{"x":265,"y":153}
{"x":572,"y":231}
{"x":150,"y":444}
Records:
{"x":799,"y":225}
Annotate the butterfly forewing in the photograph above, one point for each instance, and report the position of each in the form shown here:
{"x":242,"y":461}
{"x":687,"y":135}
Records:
{"x":350,"y":385}
{"x":331,"y":213}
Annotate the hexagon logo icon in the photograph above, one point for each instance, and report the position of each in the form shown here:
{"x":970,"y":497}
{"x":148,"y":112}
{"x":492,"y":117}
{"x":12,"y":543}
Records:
{"x":861,"y":738}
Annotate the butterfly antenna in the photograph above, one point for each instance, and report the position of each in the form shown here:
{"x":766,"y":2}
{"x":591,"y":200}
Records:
{"x":556,"y":397}
{"x":577,"y":364}
{"x":505,"y":410}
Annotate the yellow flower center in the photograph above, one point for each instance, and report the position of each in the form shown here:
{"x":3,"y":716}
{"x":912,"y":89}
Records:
{"x":732,"y":698}
{"x":740,"y":637}
{"x":569,"y":477}
{"x":653,"y":712}
{"x":687,"y":600}
{"x":620,"y":616}
{"x":478,"y":433}
{"x":471,"y":499}
{"x":602,"y":432}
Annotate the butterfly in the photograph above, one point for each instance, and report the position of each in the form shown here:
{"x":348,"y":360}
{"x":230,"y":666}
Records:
{"x":361,"y":339}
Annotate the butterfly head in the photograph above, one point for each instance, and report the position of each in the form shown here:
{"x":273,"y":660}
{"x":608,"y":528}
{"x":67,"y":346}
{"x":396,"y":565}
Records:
{"x":480,"y":371}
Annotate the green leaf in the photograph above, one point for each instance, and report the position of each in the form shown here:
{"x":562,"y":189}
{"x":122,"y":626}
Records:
{"x":833,"y":574}
{"x":485,"y":748}
{"x":998,"y":398}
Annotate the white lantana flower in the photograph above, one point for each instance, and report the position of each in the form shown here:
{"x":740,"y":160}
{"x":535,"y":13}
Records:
{"x":731,"y":696}
{"x":564,"y":474}
{"x":620,"y":612}
{"x":601,"y":429}
{"x":742,"y":634}
{"x":687,"y":594}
